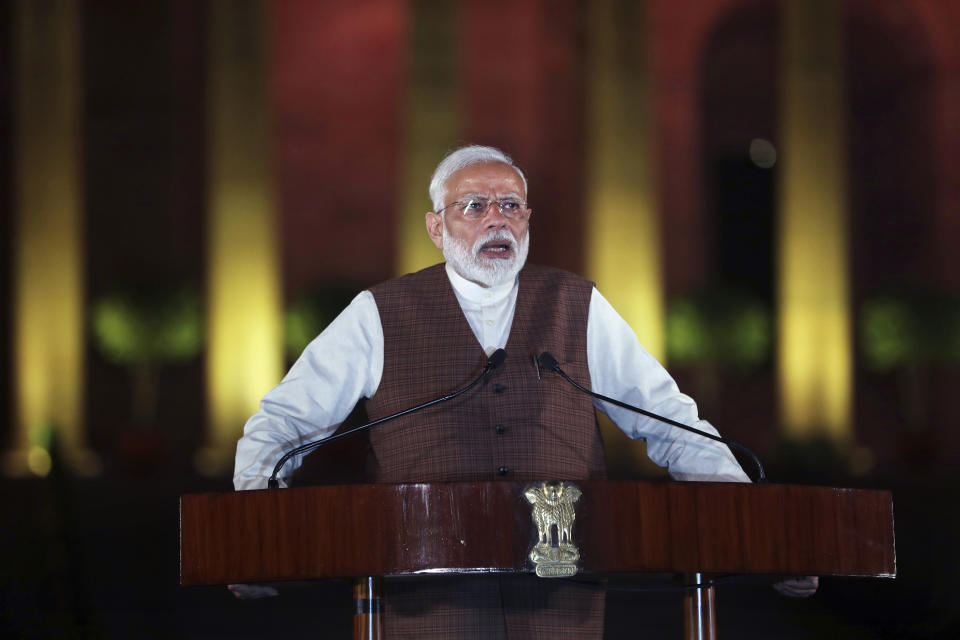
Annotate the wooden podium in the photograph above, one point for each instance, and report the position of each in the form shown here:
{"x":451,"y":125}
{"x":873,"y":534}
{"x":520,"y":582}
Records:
{"x":369,"y":531}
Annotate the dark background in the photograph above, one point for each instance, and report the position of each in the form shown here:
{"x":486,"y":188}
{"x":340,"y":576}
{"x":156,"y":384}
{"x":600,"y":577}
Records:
{"x":98,"y":558}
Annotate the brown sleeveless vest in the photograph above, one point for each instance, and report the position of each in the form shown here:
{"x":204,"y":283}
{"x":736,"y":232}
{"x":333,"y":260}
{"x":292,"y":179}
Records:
{"x":513,"y":426}
{"x":521,"y":423}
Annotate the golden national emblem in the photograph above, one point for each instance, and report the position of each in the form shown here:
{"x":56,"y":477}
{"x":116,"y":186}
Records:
{"x":554,"y":555}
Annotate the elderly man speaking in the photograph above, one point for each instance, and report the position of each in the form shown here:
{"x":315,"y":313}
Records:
{"x":417,"y":337}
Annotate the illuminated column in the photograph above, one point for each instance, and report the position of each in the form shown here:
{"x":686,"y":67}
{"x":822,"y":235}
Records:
{"x":48,"y":321}
{"x":623,"y":253}
{"x":815,"y":361}
{"x":244,"y":357}
{"x":431,"y":122}
{"x":623,"y":250}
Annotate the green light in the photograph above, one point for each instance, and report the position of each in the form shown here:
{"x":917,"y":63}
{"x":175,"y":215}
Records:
{"x":686,"y":335}
{"x":146,"y":328}
{"x":910,"y":327}
{"x":301,"y":324}
{"x":885,"y":334}
{"x":719,"y":326}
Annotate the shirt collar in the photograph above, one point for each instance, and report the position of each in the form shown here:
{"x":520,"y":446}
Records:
{"x":473,"y":292}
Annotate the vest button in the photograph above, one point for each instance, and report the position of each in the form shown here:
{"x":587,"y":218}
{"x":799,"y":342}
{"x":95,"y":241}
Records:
{"x":498,"y":388}
{"x":501,"y":429}
{"x":504,"y":470}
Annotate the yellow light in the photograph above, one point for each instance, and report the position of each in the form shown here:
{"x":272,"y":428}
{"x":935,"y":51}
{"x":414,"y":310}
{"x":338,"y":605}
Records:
{"x":815,"y":351}
{"x":431,"y":123}
{"x":47,"y":239}
{"x":39,"y":462}
{"x":623,"y":247}
{"x":244,"y":316}
{"x":623,"y":253}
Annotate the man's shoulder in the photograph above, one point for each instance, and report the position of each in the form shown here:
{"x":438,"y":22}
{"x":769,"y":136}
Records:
{"x":553,"y":275}
{"x":430,"y":275}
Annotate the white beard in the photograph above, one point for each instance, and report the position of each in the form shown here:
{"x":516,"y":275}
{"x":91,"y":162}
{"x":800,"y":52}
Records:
{"x":489,"y":272}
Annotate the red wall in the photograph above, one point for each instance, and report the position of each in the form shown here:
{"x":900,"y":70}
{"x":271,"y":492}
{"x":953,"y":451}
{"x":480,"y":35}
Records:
{"x":337,"y":72}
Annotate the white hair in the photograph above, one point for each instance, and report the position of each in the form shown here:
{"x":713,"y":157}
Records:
{"x":461,"y":158}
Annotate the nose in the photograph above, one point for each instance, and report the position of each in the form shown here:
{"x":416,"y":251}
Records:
{"x":493,"y":217}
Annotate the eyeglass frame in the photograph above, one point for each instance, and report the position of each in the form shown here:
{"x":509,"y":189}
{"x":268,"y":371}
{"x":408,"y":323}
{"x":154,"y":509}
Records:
{"x":521,"y":211}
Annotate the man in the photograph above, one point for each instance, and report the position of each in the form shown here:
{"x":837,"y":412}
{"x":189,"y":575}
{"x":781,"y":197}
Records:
{"x":418,"y":337}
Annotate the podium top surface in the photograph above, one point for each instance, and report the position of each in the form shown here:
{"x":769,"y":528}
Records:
{"x":483,"y":527}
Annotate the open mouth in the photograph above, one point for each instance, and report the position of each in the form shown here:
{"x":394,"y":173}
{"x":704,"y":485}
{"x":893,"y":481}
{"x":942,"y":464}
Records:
{"x":496,"y":249}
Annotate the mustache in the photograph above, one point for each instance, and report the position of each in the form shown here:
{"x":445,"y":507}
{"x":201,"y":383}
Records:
{"x":497,"y":234}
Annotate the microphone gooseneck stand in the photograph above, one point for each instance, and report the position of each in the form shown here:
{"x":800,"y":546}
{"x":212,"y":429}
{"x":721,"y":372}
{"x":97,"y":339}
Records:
{"x":547,"y":361}
{"x":368,"y":591}
{"x":699,"y":607}
{"x":494,"y":361}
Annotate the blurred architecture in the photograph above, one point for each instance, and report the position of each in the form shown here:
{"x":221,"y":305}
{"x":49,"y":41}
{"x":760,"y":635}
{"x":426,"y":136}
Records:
{"x":768,"y":190}
{"x":802,"y":153}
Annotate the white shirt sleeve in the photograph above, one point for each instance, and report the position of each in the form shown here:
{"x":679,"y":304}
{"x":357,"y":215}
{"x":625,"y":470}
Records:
{"x":621,"y":368}
{"x":338,"y":368}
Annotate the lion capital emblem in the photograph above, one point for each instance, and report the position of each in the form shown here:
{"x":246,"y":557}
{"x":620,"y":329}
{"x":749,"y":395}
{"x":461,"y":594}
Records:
{"x":554,"y":554}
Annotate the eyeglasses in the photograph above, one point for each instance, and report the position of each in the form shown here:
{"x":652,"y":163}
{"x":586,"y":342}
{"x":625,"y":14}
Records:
{"x":474,"y":208}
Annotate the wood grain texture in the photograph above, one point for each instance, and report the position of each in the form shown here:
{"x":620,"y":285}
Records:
{"x":479,"y":527}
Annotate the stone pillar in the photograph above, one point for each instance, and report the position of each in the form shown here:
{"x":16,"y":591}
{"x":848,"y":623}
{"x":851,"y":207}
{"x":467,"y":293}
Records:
{"x":815,"y":342}
{"x":48,"y":281}
{"x":432,"y":125}
{"x":623,"y":219}
{"x":623,"y":222}
{"x":244,"y":299}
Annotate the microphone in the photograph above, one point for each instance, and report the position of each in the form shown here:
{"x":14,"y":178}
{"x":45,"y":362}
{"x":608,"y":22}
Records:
{"x":547,"y":361}
{"x":495,"y":360}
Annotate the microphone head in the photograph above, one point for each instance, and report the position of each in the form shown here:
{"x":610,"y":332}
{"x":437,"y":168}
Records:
{"x":496,"y":359}
{"x":548,"y":362}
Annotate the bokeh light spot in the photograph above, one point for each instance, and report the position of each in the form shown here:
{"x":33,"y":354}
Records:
{"x":763,"y":153}
{"x":38,"y":461}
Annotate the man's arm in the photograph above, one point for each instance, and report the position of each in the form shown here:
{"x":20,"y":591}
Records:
{"x":621,"y":368}
{"x":340,"y":366}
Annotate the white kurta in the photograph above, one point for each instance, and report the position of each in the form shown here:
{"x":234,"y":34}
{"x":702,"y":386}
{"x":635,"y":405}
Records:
{"x":344,"y":364}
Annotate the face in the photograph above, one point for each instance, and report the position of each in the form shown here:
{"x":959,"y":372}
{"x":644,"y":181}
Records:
{"x":491,"y":249}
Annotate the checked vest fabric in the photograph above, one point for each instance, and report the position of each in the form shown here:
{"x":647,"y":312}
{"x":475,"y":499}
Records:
{"x":521,"y":423}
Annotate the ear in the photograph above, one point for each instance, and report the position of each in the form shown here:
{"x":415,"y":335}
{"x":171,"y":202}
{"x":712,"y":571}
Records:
{"x":435,"y":228}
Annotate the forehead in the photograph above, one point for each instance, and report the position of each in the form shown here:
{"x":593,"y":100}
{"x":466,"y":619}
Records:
{"x":493,"y":178}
